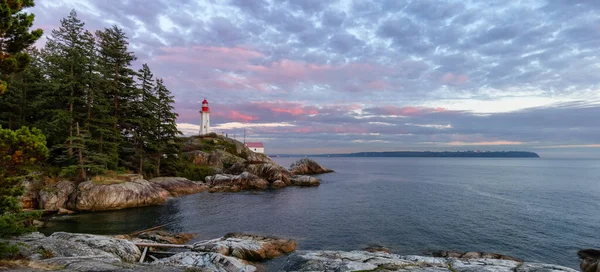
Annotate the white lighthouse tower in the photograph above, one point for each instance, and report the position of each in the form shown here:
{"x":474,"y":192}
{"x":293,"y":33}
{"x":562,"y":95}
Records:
{"x":204,"y":113}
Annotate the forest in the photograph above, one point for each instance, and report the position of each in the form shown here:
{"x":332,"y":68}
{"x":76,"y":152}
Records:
{"x":97,"y":112}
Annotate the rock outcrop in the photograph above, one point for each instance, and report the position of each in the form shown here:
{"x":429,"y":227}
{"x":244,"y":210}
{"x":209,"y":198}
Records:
{"x":179,"y":186}
{"x":243,"y":181}
{"x":53,"y":198}
{"x":381,"y":261}
{"x":90,"y":196}
{"x":306,"y":166}
{"x":305,"y":181}
{"x":164,"y":237}
{"x":29,"y":199}
{"x":206,"y":261}
{"x":237,"y":161}
{"x":247,"y":247}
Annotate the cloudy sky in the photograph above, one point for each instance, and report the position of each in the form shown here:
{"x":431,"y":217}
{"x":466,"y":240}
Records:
{"x":312,"y":76}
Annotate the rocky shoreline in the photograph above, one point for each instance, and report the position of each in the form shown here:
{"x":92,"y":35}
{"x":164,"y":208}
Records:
{"x":238,"y":252}
{"x":133,"y":190}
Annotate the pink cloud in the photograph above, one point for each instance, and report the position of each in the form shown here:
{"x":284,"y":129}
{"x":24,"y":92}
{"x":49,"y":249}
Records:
{"x":408,"y":111}
{"x":236,"y":116}
{"x":452,"y":79}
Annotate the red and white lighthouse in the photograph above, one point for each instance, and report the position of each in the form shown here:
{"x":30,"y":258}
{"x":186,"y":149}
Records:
{"x":204,"y":114}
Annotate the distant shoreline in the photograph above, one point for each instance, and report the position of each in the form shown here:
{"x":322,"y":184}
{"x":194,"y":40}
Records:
{"x":426,"y":154}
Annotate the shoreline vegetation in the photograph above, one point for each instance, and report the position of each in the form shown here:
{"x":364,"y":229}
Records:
{"x":429,"y":154}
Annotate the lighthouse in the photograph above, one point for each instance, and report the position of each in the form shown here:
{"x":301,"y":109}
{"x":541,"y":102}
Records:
{"x":204,"y":114}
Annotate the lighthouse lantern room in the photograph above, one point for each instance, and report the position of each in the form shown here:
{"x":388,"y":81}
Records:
{"x":204,"y":114}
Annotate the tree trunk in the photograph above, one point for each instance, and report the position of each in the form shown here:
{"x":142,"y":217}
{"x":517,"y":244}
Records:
{"x":115,"y":99}
{"x":158,"y":165}
{"x":82,"y":174}
{"x":71,"y":116}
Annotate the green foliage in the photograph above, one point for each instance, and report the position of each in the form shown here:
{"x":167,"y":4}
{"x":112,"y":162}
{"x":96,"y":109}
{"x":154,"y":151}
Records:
{"x":97,"y":112}
{"x":196,"y":173}
{"x":15,"y":37}
{"x":20,"y":150}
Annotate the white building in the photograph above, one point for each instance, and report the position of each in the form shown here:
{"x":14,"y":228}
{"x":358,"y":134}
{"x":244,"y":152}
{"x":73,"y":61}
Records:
{"x":204,"y":114}
{"x":257,"y":147}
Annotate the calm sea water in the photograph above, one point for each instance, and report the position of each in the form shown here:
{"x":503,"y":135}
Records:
{"x":535,"y":209}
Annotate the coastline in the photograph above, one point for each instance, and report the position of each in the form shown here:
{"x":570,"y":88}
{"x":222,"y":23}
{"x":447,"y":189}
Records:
{"x":238,"y":252}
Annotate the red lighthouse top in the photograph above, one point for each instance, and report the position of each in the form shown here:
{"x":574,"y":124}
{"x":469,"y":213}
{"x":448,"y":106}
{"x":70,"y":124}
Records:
{"x":205,"y":107}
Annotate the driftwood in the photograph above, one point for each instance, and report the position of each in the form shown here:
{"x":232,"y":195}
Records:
{"x":150,"y":229}
{"x":163,"y":245}
{"x":144,"y":255}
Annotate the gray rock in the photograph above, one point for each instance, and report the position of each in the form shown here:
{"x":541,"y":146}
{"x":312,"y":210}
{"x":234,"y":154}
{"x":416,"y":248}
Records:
{"x":305,"y":181}
{"x":247,"y":247}
{"x":55,"y":197}
{"x":306,"y":166}
{"x":270,"y":172}
{"x":29,"y":199}
{"x":207,"y":261}
{"x":278,"y":184}
{"x":244,"y":181}
{"x":90,"y":196}
{"x":125,"y":250}
{"x":381,"y":261}
{"x":177,"y":186}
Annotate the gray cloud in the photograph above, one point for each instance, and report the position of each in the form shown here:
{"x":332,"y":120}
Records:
{"x":370,"y":56}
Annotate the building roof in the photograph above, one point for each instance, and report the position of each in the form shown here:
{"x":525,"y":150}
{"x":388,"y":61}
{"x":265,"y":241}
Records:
{"x":254,"y":144}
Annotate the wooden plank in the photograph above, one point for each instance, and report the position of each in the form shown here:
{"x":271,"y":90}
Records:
{"x":150,"y":229}
{"x":163,"y":245}
{"x":143,"y":255}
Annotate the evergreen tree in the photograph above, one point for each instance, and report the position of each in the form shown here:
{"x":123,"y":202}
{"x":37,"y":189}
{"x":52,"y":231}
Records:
{"x":14,"y":38}
{"x":166,"y":129}
{"x":114,"y":63}
{"x":19,"y":150}
{"x":141,"y":126}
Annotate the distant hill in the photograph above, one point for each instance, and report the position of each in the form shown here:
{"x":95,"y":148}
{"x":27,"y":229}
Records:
{"x":432,"y":154}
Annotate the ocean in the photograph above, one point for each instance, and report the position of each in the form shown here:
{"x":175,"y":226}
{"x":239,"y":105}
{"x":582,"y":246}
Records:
{"x":541,"y":210}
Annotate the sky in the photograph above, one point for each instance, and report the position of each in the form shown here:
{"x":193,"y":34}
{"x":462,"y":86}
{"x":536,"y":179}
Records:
{"x":312,"y":76}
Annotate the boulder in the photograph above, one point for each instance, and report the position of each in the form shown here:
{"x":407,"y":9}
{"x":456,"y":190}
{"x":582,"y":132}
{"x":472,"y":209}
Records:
{"x":381,"y":261}
{"x":179,"y":186}
{"x":245,"y":181}
{"x":53,"y":198}
{"x":90,"y":196}
{"x":121,"y":248}
{"x":225,"y":189}
{"x":29,"y":199}
{"x":306,"y":166}
{"x":206,"y":261}
{"x":63,"y":211}
{"x":36,"y":246}
{"x":590,"y":260}
{"x":258,"y":158}
{"x":247,"y":247}
{"x":270,"y":172}
{"x":305,"y":181}
{"x":165,"y":237}
{"x":278,"y":184}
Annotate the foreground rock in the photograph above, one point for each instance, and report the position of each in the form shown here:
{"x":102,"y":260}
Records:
{"x":247,"y":247}
{"x":590,"y":260}
{"x":206,"y":261}
{"x":91,"y":196}
{"x":381,"y":261}
{"x":165,"y":237}
{"x":306,"y":166}
{"x":177,"y":186}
